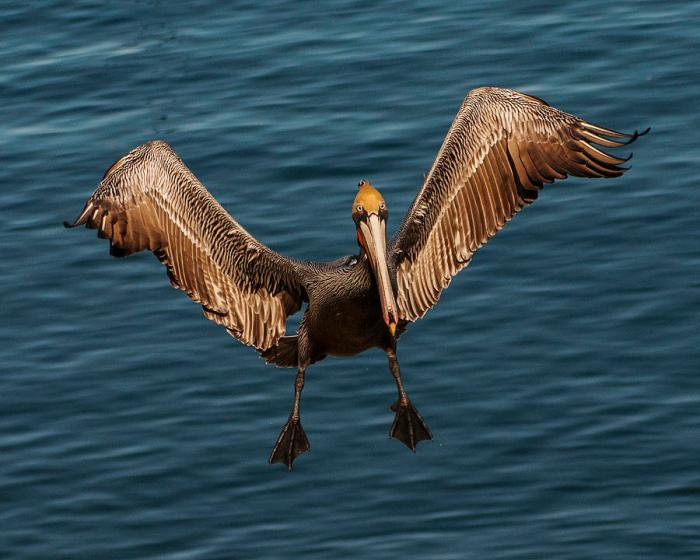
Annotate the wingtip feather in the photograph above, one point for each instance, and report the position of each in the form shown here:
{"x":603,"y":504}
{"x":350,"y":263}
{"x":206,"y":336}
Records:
{"x":637,"y":134}
{"x":81,"y":219}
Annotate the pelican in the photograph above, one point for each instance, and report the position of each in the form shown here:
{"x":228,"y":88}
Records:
{"x":500,"y":150}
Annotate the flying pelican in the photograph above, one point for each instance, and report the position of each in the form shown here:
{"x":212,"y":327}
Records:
{"x":501,"y":148}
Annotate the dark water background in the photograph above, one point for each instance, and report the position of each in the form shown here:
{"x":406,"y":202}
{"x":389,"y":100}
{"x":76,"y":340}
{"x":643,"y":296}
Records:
{"x":560,"y":373}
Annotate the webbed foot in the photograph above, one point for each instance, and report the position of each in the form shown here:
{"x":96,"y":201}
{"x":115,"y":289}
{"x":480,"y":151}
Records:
{"x":408,"y":426}
{"x":291,"y":442}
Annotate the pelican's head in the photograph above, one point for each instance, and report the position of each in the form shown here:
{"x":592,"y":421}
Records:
{"x":370,"y":213}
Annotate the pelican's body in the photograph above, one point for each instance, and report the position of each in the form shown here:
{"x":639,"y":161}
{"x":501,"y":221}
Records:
{"x":343,"y":317}
{"x":501,"y":149}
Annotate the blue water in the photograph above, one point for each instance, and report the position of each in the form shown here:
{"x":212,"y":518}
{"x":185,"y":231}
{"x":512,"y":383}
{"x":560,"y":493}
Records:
{"x":560,"y":373}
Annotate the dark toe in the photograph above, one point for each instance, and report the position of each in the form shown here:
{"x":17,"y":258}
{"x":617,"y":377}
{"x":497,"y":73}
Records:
{"x":291,"y":443}
{"x":408,"y":426}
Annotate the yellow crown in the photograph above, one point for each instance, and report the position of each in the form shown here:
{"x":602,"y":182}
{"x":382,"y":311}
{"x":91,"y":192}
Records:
{"x":369,"y":197}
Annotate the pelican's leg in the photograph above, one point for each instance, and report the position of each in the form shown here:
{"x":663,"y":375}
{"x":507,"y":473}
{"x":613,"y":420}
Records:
{"x":408,"y":425}
{"x":292,"y":440}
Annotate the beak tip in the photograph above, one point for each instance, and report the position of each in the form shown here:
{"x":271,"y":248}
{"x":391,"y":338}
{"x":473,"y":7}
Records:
{"x":392,"y":329}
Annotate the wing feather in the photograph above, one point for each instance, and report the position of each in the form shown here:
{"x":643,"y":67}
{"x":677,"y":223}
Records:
{"x":501,"y":149}
{"x":150,"y":200}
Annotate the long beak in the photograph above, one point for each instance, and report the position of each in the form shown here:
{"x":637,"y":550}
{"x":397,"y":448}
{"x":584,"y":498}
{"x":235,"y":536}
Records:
{"x":373,"y":232}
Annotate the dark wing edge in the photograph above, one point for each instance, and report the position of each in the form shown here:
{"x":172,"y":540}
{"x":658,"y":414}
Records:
{"x":149,"y":199}
{"x":500,"y":150}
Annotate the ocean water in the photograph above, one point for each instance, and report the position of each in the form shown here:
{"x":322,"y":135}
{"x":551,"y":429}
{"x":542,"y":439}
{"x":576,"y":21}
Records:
{"x":560,"y":373}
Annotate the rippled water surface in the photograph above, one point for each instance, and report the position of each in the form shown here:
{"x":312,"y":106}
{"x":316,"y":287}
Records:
{"x":560,"y":373}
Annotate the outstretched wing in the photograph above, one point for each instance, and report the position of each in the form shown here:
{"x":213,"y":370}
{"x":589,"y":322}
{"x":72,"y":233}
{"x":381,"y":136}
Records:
{"x":149,"y":199}
{"x":500,"y":150}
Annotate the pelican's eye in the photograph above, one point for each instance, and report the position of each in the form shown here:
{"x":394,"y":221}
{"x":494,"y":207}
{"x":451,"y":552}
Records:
{"x":359,"y":208}
{"x":382,"y":206}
